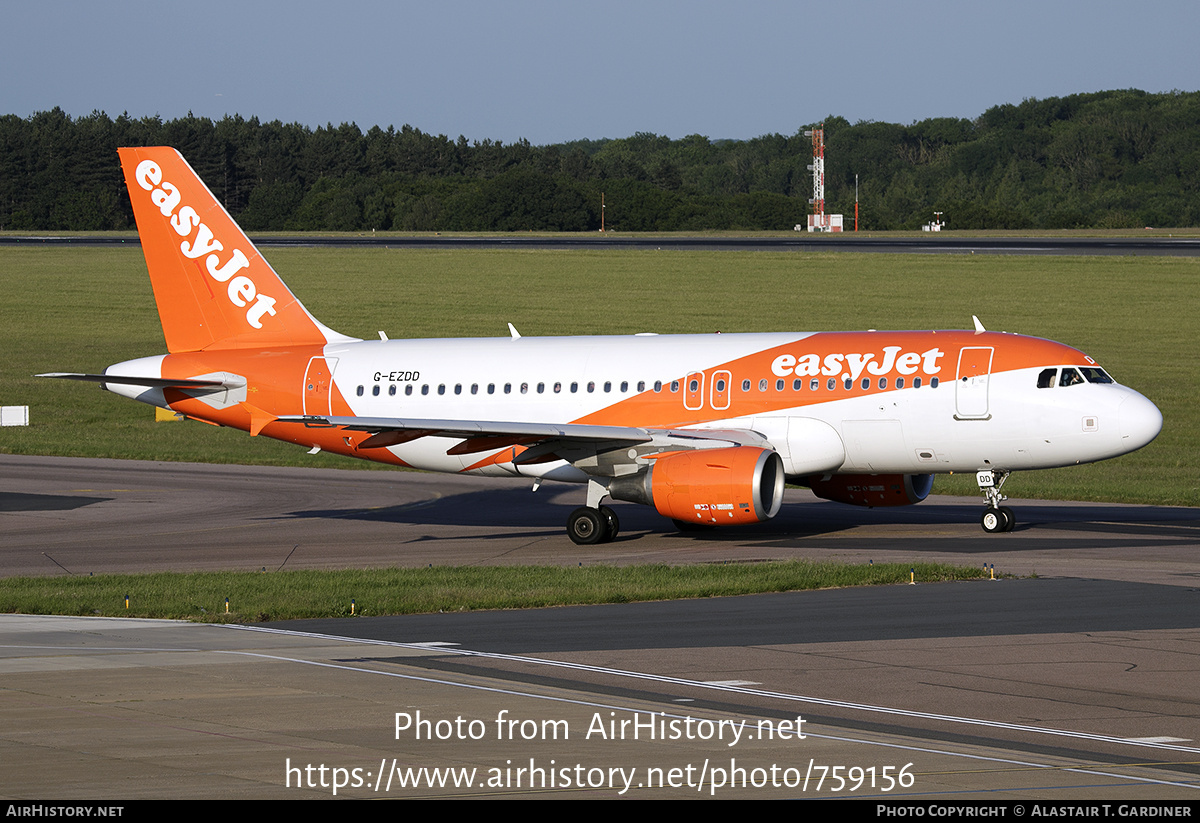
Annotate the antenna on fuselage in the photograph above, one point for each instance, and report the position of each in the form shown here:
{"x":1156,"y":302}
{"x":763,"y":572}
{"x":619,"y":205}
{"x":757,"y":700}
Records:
{"x":978,"y":326}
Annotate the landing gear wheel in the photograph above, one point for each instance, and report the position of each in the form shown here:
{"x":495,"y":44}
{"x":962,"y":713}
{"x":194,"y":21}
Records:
{"x":612,"y":522}
{"x":587,"y":526}
{"x":1010,"y":518}
{"x":997,"y":520}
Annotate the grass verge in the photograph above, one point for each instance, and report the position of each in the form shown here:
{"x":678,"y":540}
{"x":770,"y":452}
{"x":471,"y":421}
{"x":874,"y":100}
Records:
{"x":256,"y":597}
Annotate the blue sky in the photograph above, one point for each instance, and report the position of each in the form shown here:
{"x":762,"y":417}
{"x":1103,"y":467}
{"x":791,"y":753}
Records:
{"x":556,"y":71}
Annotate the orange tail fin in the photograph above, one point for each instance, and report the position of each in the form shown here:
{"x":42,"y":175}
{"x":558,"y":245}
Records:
{"x":213,"y":288}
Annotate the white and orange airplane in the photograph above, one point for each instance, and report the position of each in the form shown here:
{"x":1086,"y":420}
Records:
{"x":705,"y":428}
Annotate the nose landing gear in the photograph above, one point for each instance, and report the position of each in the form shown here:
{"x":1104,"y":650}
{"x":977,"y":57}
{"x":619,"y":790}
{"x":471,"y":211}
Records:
{"x":996,"y":518}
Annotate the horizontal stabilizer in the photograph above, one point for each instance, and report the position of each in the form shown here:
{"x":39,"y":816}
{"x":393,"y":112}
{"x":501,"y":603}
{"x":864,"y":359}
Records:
{"x":149,"y":382}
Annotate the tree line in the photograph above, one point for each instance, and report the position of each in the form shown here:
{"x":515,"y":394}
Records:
{"x":1113,"y":159}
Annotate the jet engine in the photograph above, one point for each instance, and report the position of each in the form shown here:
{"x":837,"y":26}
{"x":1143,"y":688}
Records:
{"x":710,"y":487}
{"x":871,"y":490}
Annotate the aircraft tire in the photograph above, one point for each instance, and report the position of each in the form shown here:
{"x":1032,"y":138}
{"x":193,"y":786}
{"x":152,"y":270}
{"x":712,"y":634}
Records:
{"x":1010,"y":518}
{"x":587,"y":526}
{"x":996,"y":520}
{"x":611,"y":521}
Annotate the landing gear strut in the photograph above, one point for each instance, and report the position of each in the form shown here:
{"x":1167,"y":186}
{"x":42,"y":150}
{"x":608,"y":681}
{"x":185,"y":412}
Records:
{"x":996,"y":518}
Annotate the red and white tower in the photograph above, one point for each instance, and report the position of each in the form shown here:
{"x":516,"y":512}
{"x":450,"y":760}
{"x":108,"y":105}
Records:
{"x":819,"y":220}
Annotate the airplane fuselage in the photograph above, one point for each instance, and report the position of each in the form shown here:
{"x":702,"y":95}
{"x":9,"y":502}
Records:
{"x":896,"y":402}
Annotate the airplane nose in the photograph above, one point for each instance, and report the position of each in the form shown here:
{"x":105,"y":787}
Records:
{"x":1139,"y":421}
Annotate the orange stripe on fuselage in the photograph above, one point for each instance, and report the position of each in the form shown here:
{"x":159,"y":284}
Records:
{"x":854,"y":355}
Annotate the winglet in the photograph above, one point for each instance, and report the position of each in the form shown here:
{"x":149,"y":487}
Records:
{"x":978,"y":326}
{"x":513,"y":331}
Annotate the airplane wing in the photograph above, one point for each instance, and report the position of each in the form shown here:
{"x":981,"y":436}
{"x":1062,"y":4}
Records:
{"x":591,"y":448}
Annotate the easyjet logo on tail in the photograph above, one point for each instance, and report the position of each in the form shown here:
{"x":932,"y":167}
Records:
{"x":200,"y":242}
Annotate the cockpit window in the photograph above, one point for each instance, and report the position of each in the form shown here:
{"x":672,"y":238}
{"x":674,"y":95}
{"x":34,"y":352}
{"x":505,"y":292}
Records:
{"x":1095,"y":374}
{"x":1046,"y":379}
{"x":1070,"y":377}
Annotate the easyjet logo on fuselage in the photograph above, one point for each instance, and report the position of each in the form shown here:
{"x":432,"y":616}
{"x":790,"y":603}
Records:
{"x":850,"y":366}
{"x":186,"y":222}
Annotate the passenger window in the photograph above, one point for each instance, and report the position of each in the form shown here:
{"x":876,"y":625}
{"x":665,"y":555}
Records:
{"x":762,"y":384}
{"x":474,"y":388}
{"x":797,"y":384}
{"x":814,"y":384}
{"x":693,"y":384}
{"x":866,"y":382}
{"x":524,"y":388}
{"x":624,"y":386}
{"x":641,"y":385}
{"x":720,"y":385}
{"x":574,"y":388}
{"x":607,"y":386}
{"x":441,"y":388}
{"x":425,"y":388}
{"x":1046,"y":378}
{"x":360,"y":391}
{"x":848,"y":384}
{"x":745,"y":385}
{"x":557,"y":388}
{"x":657,"y":385}
{"x":779,"y":385}
{"x":375,"y":390}
{"x":508,"y":388}
{"x":458,"y":388}
{"x":1095,"y":375}
{"x":933,"y":382}
{"x":831,"y":385}
{"x":408,"y":390}
{"x":491,"y":388}
{"x":392,"y":390}
{"x":883,"y":382}
{"x":674,"y":386}
{"x":591,"y":387}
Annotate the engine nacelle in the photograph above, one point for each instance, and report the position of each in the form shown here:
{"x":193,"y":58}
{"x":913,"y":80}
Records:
{"x":712,"y":487}
{"x":871,"y":489}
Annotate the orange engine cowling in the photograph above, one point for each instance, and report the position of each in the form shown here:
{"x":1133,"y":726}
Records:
{"x":871,"y":489}
{"x":712,"y":487}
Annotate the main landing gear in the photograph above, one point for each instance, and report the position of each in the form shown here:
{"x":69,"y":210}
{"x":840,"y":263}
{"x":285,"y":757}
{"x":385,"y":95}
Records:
{"x":996,"y":518}
{"x":593,"y":523}
{"x":587,"y":526}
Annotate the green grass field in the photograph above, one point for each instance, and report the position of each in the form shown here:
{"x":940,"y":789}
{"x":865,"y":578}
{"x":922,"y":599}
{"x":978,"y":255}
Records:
{"x":81,"y":309}
{"x":314,"y":594}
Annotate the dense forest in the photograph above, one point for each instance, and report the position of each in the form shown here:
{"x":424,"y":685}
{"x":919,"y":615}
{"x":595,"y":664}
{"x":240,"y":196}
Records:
{"x":1104,"y":160}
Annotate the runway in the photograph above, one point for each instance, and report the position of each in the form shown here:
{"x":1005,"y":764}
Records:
{"x":83,"y":516}
{"x":1076,"y":684}
{"x":865,"y":242}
